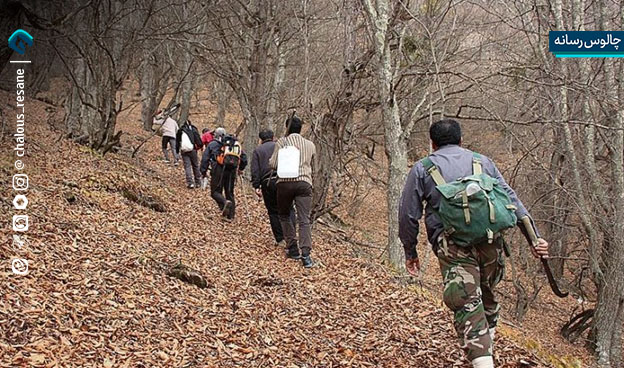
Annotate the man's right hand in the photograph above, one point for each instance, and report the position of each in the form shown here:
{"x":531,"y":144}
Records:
{"x":541,"y":249}
{"x":259,"y":192}
{"x":412,"y":266}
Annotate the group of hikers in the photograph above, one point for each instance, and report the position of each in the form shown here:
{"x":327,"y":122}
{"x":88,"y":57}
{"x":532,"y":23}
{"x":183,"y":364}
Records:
{"x":466,"y":202}
{"x":223,"y":161}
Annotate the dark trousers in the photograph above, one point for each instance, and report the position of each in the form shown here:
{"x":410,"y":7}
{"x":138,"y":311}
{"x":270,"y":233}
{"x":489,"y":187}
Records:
{"x":299,"y":192}
{"x":171,"y":142}
{"x":269,"y":194}
{"x":191,"y":168}
{"x":221,"y":181}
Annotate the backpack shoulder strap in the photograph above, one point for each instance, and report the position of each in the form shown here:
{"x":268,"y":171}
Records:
{"x":476,"y":164}
{"x":431,"y":168}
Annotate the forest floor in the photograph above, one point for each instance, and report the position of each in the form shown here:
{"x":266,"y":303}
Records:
{"x":98,"y":294}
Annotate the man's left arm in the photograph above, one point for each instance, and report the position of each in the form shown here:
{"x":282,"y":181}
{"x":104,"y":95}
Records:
{"x":256,"y":180}
{"x":541,"y":248}
{"x":490,"y":168}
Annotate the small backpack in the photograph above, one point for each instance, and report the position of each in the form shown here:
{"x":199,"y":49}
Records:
{"x":185,"y":143}
{"x":230,"y":152}
{"x":288,"y":162}
{"x":473,"y":208}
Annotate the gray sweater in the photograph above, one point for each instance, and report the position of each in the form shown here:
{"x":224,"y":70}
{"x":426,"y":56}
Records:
{"x":453,"y":162}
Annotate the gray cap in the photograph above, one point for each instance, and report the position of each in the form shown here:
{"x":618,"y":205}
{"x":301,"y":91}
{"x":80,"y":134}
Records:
{"x":219,"y":132}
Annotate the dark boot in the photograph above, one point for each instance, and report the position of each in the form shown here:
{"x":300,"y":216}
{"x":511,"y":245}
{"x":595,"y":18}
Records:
{"x":307,"y":262}
{"x":226,"y":209}
{"x":293,"y":253}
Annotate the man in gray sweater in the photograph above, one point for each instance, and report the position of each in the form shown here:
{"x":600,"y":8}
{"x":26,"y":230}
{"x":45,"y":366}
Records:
{"x":470,"y":273}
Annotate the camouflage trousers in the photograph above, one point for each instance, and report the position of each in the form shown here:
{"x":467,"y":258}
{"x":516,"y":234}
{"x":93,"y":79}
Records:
{"x":470,"y":275}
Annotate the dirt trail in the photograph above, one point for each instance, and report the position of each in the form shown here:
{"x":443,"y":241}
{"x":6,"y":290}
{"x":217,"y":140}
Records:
{"x":97,"y":294}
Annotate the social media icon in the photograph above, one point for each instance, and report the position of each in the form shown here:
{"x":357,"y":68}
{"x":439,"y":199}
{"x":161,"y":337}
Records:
{"x":20,"y":202}
{"x":18,"y":241}
{"x":20,"y":223}
{"x":19,"y":40}
{"x":19,"y":266}
{"x":20,"y":182}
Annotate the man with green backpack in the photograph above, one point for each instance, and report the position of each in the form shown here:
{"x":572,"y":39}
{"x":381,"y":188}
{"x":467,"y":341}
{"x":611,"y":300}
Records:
{"x":468,"y":207}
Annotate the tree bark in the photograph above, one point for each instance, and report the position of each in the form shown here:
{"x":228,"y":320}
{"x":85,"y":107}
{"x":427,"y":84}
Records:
{"x":258,"y":97}
{"x":395,"y":144}
{"x":273,"y":113}
{"x":223,"y":93}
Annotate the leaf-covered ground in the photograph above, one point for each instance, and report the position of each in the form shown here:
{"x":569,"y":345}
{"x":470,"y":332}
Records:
{"x":98,"y":294}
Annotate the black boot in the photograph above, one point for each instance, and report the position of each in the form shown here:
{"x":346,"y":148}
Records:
{"x":227,"y":207}
{"x":293,"y":253}
{"x":307,"y":262}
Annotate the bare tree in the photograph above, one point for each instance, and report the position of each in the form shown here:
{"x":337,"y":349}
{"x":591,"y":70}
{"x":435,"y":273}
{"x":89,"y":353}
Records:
{"x":98,"y":59}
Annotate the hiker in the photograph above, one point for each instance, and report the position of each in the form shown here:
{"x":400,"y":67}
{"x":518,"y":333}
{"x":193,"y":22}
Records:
{"x":264,"y":182}
{"x":471,"y":261}
{"x":190,"y":142}
{"x":292,"y":158}
{"x":169,"y":128}
{"x":210,"y":152}
{"x":225,"y":158}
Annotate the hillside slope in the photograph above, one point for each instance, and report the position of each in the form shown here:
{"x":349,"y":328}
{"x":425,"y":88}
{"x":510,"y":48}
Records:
{"x":98,"y":295}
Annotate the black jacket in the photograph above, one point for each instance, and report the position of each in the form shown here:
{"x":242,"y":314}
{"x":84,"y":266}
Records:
{"x":192,"y":133}
{"x":260,"y":168}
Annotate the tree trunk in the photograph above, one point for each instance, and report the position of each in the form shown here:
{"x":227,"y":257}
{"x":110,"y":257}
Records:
{"x":395,"y":144}
{"x":273,"y":113}
{"x":223,"y":93}
{"x":258,"y":96}
{"x":187,"y":87}
{"x":606,"y":330}
{"x":326,"y":140}
{"x":146,"y":87}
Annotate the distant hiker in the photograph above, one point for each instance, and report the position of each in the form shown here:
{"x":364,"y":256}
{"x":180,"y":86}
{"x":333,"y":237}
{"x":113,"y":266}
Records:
{"x":292,"y":158}
{"x":169,"y":128}
{"x":206,"y":137}
{"x":264,"y":181}
{"x":470,"y":245}
{"x":190,"y":142}
{"x":225,"y":158}
{"x":210,"y":153}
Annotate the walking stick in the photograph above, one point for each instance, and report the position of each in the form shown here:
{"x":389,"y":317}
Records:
{"x":551,"y":279}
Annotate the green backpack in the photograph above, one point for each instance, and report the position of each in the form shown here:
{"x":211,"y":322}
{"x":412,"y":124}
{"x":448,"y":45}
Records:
{"x":473,"y":208}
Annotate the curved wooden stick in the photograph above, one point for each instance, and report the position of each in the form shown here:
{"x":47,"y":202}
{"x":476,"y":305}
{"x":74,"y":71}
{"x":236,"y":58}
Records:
{"x":551,"y":279}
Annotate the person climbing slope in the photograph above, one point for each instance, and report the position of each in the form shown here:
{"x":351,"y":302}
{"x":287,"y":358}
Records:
{"x":465,"y":220}
{"x":292,"y":158}
{"x":190,"y":142}
{"x":225,"y":158}
{"x":264,"y":181}
{"x":169,"y":129}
